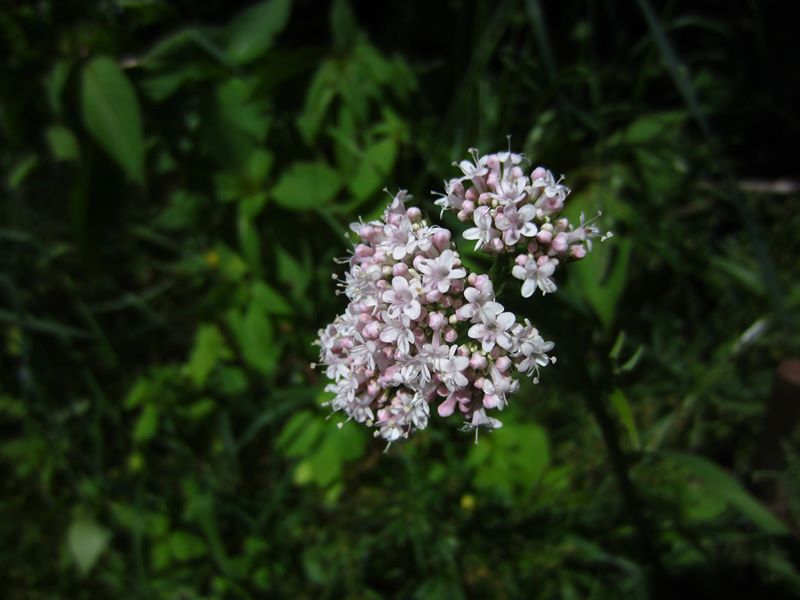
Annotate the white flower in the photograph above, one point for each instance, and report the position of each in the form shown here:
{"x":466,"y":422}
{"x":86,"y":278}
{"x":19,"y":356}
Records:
{"x":363,"y":353}
{"x":474,"y":169}
{"x":553,"y":193}
{"x":510,"y":191}
{"x":494,"y":331}
{"x":514,"y":223}
{"x":453,"y":196}
{"x":360,"y":284}
{"x":438,"y":273}
{"x":451,"y":370}
{"x":395,"y":331}
{"x":400,"y":239}
{"x":480,"y":304}
{"x":402,"y":299}
{"x":483,"y":232}
{"x":536,"y":274}
{"x":533,"y":348}
{"x":499,"y":385}
{"x":479,"y":419}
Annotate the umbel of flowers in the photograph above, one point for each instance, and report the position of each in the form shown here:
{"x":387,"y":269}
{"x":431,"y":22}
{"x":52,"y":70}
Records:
{"x":518,"y":213}
{"x":420,"y":330}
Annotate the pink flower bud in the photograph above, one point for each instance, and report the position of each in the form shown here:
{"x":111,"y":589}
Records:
{"x":493,"y":162}
{"x":468,"y":206}
{"x":516,"y":172}
{"x":479,"y":383}
{"x":480,"y":282}
{"x":521,"y":260}
{"x":462,"y":350}
{"x":485,"y":199}
{"x":362,"y":250}
{"x":450,"y":335}
{"x":446,"y":408}
{"x":366,"y":232}
{"x":577,"y":251}
{"x":544,"y":236}
{"x":490,"y":401}
{"x":538,"y":173}
{"x":503,"y":363}
{"x":478,"y":361}
{"x":491,"y":180}
{"x":437,"y":320}
{"x":441,"y":239}
{"x":399,"y":269}
{"x":560,"y":242}
{"x":433,"y":296}
{"x":461,"y":314}
{"x":471,"y":194}
{"x":414,"y":214}
{"x":497,"y":244}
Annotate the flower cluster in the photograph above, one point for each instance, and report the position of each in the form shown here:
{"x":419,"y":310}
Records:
{"x":420,"y":330}
{"x":517,"y":213}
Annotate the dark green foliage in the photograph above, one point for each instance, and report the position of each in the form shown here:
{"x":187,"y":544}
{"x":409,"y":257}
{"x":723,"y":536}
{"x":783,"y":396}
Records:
{"x":177,"y":180}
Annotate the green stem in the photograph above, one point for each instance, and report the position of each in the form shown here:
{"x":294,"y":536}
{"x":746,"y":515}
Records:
{"x":619,"y":464}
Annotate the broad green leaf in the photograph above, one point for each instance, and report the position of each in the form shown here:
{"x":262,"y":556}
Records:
{"x":343,"y":24}
{"x":717,"y":482}
{"x":257,"y":341}
{"x":63,"y":145}
{"x":306,"y":186}
{"x":249,"y":241}
{"x":514,"y":457}
{"x":86,"y":540}
{"x":252,"y":32}
{"x":111,"y":114}
{"x":270,"y":300}
{"x":233,"y":123}
{"x":186,"y":546}
{"x":623,"y":409}
{"x":370,"y":176}
{"x":320,"y":94}
{"x":54,"y":85}
{"x":601,"y":277}
{"x":207,"y":350}
{"x":147,"y":424}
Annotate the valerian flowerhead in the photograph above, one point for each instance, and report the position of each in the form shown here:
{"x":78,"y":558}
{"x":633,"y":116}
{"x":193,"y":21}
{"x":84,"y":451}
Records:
{"x":516,"y":212}
{"x":419,"y":329}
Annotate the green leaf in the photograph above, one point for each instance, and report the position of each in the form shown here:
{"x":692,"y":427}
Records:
{"x":306,"y":186}
{"x":146,"y":425}
{"x":623,"y":409}
{"x":186,"y":546}
{"x":343,"y":25}
{"x":320,"y":95}
{"x":514,"y":457}
{"x":270,"y":300}
{"x":63,"y":145}
{"x":370,"y":176}
{"x":208,"y":348}
{"x":601,"y":277}
{"x":111,"y":115}
{"x":722,"y":485}
{"x":86,"y":540}
{"x":253,"y":30}
{"x":257,"y":341}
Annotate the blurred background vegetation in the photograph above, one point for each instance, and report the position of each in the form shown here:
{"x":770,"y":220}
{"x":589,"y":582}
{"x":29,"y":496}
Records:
{"x":177,"y":178}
